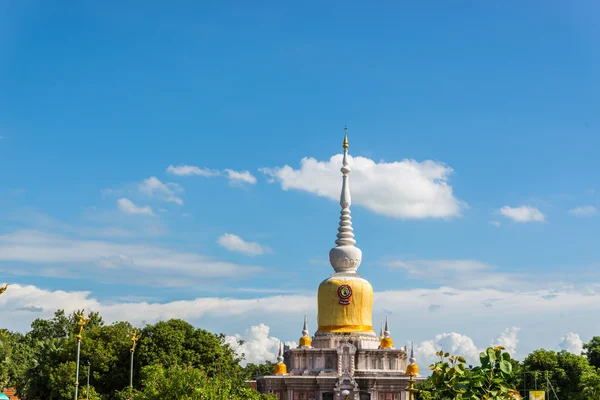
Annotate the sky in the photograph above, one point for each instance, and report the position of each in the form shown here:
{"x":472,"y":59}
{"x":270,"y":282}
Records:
{"x":182,"y":160}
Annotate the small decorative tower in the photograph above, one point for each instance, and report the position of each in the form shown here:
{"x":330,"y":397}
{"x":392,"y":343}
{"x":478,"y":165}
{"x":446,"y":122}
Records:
{"x":280,"y":368}
{"x":386,"y":341}
{"x":381,"y":332}
{"x":305,"y":340}
{"x":412,"y":370}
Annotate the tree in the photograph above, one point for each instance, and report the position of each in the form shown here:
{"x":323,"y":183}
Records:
{"x":592,"y":351}
{"x":187,"y":382}
{"x":591,"y":384}
{"x":252,"y":371}
{"x":178,"y":342}
{"x":564,"y":370}
{"x":493,"y":380}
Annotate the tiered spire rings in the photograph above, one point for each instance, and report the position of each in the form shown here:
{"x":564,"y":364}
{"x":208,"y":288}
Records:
{"x":345,"y":257}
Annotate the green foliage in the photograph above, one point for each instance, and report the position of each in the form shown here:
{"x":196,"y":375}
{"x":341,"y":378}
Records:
{"x":564,"y":370}
{"x":453,"y":380}
{"x":252,"y":371}
{"x":61,"y":385}
{"x":189,"y":383}
{"x":592,"y":351}
{"x":178,"y":342}
{"x":41,"y":364}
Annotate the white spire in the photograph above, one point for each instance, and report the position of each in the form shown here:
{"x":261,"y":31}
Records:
{"x":305,"y":329}
{"x":412,"y":353}
{"x":345,"y":257}
{"x":280,"y":356}
{"x":386,"y":332}
{"x":381,"y":331}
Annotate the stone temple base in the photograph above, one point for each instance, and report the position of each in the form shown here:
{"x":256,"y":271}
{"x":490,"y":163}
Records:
{"x":340,"y":372}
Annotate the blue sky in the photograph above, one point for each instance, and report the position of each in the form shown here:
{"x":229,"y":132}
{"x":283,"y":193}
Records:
{"x":501,"y":99}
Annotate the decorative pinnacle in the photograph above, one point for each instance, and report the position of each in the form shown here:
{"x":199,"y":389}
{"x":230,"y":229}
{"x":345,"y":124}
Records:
{"x":345,"y":138}
{"x":381,"y":331}
{"x":305,"y":329}
{"x":386,"y":332}
{"x":280,"y":356}
{"x":345,"y":257}
{"x":412,"y":353}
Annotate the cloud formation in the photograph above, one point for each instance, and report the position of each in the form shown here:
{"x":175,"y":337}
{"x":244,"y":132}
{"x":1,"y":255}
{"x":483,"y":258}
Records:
{"x":463,"y":312}
{"x":571,"y":343}
{"x":235,"y":243}
{"x":508,"y":339}
{"x":456,"y":273}
{"x":258,"y":346}
{"x":234,"y":177}
{"x":584,"y":211}
{"x":188,"y":170}
{"x":128,"y":207}
{"x":523,"y":214}
{"x":453,"y":343}
{"x":403,"y":189}
{"x":42,"y":252}
{"x":168,"y":192}
{"x":240,"y":177}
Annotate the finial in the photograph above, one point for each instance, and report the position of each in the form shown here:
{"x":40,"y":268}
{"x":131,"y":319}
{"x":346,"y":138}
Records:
{"x":345,"y":257}
{"x":386,"y":332}
{"x":412,"y":352}
{"x":381,"y":331}
{"x":280,"y":356}
{"x":345,"y":138}
{"x":305,"y":328}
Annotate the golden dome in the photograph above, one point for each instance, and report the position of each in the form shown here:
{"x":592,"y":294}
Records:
{"x":305,"y":341}
{"x":345,"y":305}
{"x":386,"y":343}
{"x":412,"y":369}
{"x":280,"y":369}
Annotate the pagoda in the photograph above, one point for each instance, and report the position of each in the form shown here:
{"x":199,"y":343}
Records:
{"x":345,"y":359}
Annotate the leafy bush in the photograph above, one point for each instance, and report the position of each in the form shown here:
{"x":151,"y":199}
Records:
{"x":451,"y":379}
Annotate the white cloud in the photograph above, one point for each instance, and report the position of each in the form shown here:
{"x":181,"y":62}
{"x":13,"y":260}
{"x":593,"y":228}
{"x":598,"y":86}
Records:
{"x":40,"y":251}
{"x":494,"y":223}
{"x":187,"y":170}
{"x":523,"y":214}
{"x":572,"y":343}
{"x":240,"y":177}
{"x":235,"y":243}
{"x":508,"y":339}
{"x":258,"y":345}
{"x":458,"y":344}
{"x":463,"y":311}
{"x":457,"y":273}
{"x":129,"y":207}
{"x":153,"y":187}
{"x":406,"y":189}
{"x":453,"y":343}
{"x":234,"y":177}
{"x":584,"y":211}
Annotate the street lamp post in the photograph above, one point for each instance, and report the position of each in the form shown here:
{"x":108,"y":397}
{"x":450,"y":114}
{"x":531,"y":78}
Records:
{"x":81,"y":322}
{"x":134,"y":339}
{"x":87,"y":390}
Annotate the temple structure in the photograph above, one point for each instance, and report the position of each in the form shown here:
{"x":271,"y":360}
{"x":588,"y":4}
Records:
{"x":345,"y":360}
